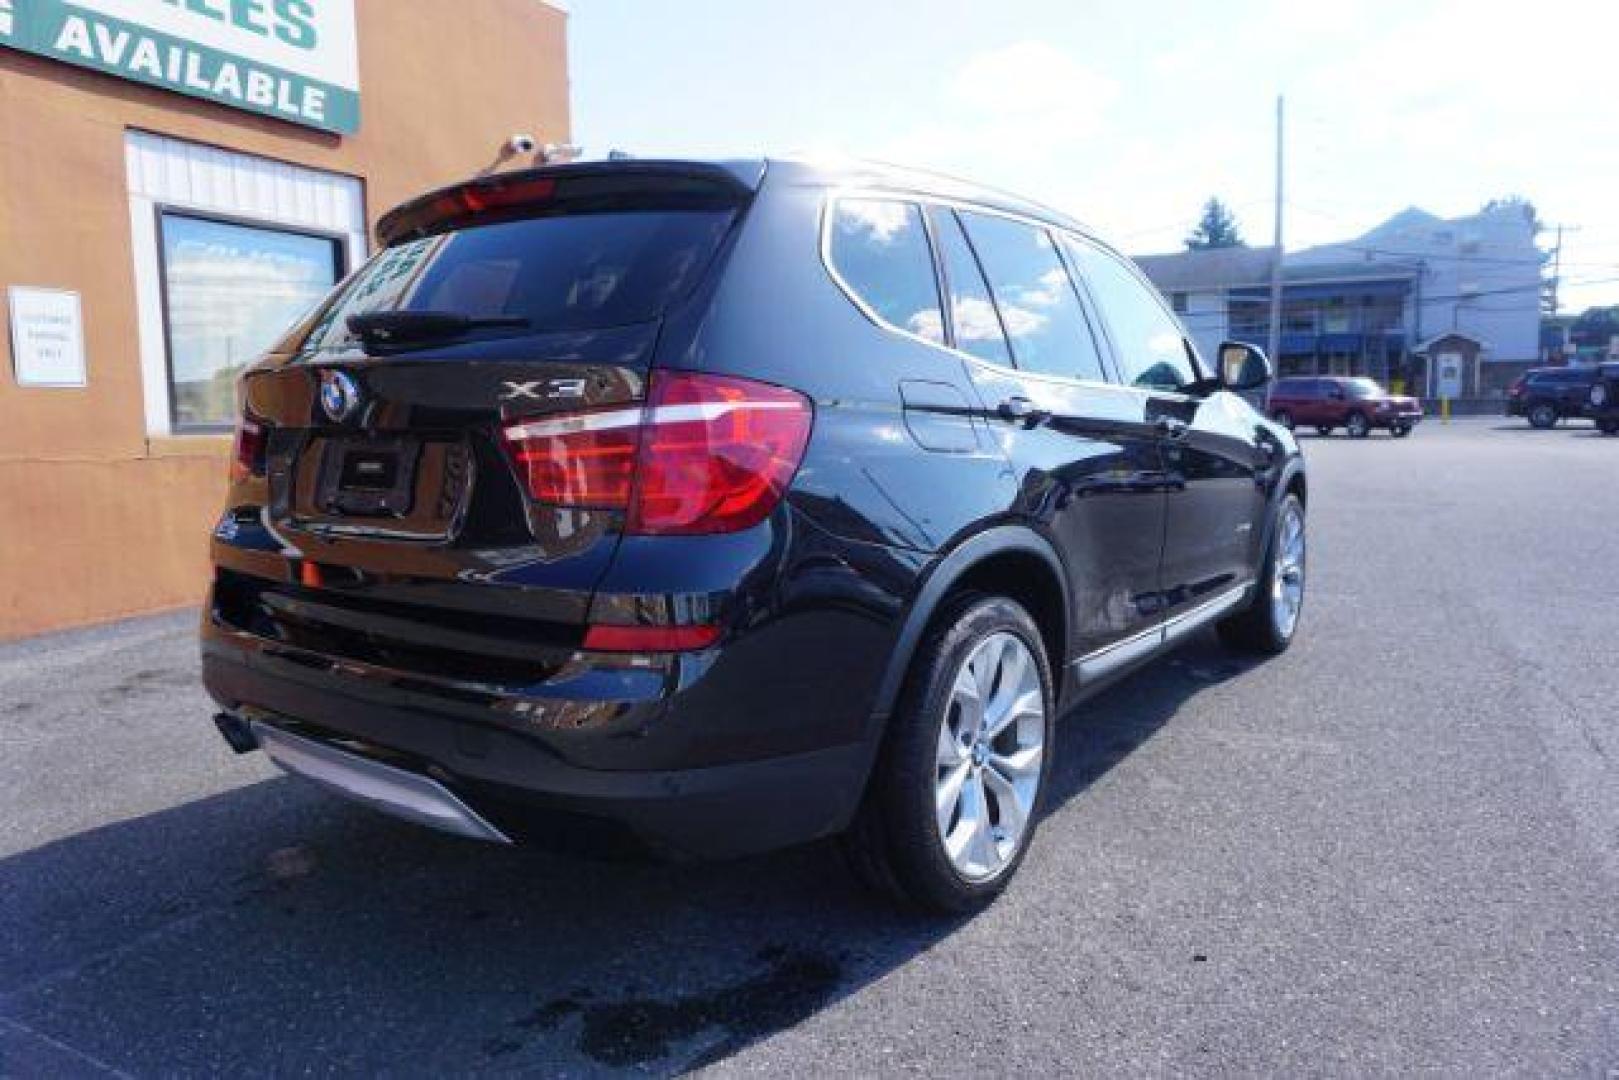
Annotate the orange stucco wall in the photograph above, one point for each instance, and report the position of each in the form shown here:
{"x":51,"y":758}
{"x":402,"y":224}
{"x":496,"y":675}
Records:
{"x":97,"y":520}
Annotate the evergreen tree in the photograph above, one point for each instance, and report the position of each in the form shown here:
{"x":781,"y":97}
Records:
{"x":1216,"y":229}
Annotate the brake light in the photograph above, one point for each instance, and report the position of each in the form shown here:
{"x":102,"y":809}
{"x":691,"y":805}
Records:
{"x":705,"y":454}
{"x":716,"y":453}
{"x":650,"y":638}
{"x":247,"y":455}
{"x":479,"y":196}
{"x":465,"y":201}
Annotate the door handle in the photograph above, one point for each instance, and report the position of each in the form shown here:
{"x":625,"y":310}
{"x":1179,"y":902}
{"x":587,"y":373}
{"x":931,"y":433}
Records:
{"x":1021,"y":410}
{"x":1170,"y":427}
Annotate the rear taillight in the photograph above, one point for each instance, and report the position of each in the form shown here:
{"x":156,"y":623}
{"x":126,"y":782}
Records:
{"x":716,"y":453}
{"x":247,"y":456}
{"x":705,"y":454}
{"x":581,"y":459}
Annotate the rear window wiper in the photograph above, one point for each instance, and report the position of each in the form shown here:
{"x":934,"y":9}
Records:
{"x":395,"y":327}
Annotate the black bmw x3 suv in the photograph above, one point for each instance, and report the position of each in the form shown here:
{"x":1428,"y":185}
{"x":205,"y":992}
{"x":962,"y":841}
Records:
{"x":732,"y":505}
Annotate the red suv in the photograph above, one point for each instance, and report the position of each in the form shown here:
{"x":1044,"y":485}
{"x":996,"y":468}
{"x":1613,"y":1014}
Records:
{"x":1356,"y":405}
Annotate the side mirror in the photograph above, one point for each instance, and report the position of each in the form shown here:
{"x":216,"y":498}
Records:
{"x":1243,"y":366}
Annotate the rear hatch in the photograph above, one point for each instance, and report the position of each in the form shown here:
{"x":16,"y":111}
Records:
{"x":390,"y":484}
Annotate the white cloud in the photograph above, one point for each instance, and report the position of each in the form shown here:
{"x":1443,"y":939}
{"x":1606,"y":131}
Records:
{"x":1017,"y":105}
{"x":876,"y":220}
{"x":1033,"y":79}
{"x":975,"y":319}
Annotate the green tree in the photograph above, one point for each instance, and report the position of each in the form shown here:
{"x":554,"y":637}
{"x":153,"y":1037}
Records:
{"x":1596,"y":327}
{"x":1520,"y":204}
{"x":1216,"y":229}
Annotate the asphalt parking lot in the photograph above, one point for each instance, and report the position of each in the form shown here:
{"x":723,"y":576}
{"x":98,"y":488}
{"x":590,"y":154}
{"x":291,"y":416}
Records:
{"x":1394,"y":849}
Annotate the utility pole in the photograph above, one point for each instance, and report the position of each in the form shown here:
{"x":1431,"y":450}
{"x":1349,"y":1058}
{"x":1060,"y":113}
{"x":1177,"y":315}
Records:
{"x":1273,"y":345}
{"x":1557,"y":267}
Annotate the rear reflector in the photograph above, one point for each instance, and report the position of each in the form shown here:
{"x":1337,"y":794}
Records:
{"x":247,"y":456}
{"x":706,"y":454}
{"x":650,"y":638}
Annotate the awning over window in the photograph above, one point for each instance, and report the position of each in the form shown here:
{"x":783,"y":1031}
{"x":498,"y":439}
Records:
{"x":1348,"y":290}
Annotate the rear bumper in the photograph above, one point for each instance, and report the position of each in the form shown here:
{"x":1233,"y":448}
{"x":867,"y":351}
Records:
{"x":514,"y":782}
{"x":401,"y":792}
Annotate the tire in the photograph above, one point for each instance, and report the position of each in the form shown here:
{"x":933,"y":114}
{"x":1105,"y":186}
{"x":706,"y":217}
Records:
{"x":897,"y":843}
{"x":1283,"y":417}
{"x":1399,"y":431}
{"x":1356,"y":426}
{"x":1608,"y":425}
{"x":1263,"y":627}
{"x":1323,"y":429}
{"x":1542,"y":415}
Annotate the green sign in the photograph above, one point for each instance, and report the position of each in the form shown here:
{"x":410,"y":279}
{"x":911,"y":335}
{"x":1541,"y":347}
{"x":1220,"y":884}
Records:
{"x":291,"y":59}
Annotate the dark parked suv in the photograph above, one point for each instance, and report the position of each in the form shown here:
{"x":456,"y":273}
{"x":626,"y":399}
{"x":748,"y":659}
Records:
{"x":1547,"y":395}
{"x":1602,"y":402}
{"x":728,"y":506}
{"x":1327,"y":402}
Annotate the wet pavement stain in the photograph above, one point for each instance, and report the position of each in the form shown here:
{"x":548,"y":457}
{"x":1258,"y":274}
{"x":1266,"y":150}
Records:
{"x":639,"y":1031}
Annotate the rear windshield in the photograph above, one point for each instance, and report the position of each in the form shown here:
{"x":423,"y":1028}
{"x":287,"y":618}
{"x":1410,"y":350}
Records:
{"x":571,"y":272}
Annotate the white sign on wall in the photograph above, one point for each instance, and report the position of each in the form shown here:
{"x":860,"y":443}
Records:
{"x":1450,"y":375}
{"x":47,"y":336}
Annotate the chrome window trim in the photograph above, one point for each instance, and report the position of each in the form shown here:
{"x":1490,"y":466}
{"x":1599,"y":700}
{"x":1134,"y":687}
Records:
{"x":923,"y":200}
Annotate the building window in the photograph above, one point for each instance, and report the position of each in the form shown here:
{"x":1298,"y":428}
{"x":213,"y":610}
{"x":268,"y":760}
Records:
{"x":229,"y":249}
{"x":1177,"y":301}
{"x":229,"y":290}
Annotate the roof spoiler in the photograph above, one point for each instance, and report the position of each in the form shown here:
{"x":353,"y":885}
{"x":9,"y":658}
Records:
{"x":573,"y":188}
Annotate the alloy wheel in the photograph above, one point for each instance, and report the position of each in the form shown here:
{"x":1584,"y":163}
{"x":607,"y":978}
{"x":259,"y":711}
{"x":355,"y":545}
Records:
{"x":1287,"y":581}
{"x":991,"y":744}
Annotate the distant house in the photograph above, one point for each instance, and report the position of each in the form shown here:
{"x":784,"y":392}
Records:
{"x":1374,"y":305}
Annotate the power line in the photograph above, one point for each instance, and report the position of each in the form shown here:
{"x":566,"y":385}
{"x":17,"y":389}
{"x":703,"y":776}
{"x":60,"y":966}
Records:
{"x":1458,"y":298}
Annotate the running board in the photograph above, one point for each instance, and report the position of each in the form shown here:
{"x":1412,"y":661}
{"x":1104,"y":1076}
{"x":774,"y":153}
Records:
{"x":1122,"y":654}
{"x":394,"y":791}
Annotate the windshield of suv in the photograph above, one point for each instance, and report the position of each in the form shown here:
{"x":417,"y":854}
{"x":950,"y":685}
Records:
{"x":572,"y":272}
{"x":1362,"y":389}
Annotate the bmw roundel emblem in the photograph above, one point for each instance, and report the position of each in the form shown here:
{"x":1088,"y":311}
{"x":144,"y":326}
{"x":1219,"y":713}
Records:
{"x":339,"y":395}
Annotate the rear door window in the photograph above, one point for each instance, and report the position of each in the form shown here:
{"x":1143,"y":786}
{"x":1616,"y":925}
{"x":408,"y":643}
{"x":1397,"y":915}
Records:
{"x":1035,"y":297}
{"x":580,"y":271}
{"x":973,"y":318}
{"x":879,"y":247}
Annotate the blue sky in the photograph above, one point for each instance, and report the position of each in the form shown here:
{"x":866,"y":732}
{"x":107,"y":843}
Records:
{"x":1129,"y":115}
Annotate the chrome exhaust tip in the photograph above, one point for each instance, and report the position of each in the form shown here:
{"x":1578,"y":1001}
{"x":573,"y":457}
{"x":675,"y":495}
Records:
{"x":237,"y":732}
